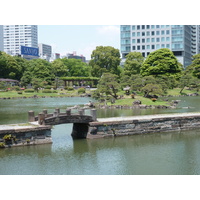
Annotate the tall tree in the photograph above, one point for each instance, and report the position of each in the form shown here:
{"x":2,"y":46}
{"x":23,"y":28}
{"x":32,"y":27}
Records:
{"x":161,"y":62}
{"x":107,"y":86}
{"x":196,"y":65}
{"x":105,"y":59}
{"x":133,"y":63}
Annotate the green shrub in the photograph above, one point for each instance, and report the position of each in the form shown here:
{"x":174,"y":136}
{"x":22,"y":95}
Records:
{"x":19,"y":92}
{"x":7,"y":137}
{"x":70,"y":88}
{"x":81,"y":90}
{"x":46,"y":91}
{"x":48,"y":87}
{"x":29,"y":90}
{"x":15,"y":88}
{"x":2,"y":145}
{"x":49,"y":91}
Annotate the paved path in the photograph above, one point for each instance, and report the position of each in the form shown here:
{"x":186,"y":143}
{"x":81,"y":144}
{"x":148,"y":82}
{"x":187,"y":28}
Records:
{"x":148,"y":117}
{"x":16,"y":126}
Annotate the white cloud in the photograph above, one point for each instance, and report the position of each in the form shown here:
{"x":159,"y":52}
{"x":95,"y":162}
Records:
{"x":87,"y":51}
{"x":109,"y":30}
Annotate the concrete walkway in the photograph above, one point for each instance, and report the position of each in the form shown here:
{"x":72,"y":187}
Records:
{"x":112,"y":119}
{"x":16,"y":126}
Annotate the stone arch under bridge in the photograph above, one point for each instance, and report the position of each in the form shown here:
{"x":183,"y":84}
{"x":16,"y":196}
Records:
{"x":80,"y":120}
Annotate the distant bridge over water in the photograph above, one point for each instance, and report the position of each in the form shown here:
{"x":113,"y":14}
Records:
{"x":80,"y":120}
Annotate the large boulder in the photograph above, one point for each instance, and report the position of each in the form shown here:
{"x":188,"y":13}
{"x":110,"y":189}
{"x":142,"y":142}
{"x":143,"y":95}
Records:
{"x":137,"y":102}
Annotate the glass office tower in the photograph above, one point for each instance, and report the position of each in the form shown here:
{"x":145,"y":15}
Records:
{"x":182,"y":40}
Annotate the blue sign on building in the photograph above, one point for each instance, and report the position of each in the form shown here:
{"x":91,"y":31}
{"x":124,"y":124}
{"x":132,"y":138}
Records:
{"x":29,"y":51}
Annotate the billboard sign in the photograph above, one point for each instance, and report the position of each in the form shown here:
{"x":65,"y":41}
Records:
{"x":29,"y":51}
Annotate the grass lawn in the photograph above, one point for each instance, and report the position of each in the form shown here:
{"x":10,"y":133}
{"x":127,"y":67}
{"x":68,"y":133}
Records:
{"x":145,"y":101}
{"x":39,"y":94}
{"x":176,"y":92}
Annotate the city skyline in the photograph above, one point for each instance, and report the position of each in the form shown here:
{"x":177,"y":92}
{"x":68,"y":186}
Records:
{"x":81,"y":39}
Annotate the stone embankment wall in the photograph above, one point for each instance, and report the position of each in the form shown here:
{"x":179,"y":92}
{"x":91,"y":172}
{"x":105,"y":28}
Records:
{"x":143,"y":125}
{"x":20,"y":136}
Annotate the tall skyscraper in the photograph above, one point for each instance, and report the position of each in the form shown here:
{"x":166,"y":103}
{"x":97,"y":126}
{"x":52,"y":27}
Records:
{"x":1,"y":37}
{"x":16,"y":36}
{"x":182,"y":40}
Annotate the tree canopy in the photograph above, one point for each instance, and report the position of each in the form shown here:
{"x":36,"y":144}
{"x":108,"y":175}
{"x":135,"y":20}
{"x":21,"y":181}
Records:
{"x":161,"y":62}
{"x":195,"y":66}
{"x":133,"y":63}
{"x":105,"y":59}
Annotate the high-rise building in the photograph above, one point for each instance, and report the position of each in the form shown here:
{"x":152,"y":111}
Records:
{"x":16,"y":36}
{"x":45,"y":51}
{"x":1,"y":37}
{"x":182,"y":40}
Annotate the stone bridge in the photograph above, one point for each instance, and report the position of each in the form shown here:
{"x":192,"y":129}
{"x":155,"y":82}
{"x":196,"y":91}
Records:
{"x":80,"y":120}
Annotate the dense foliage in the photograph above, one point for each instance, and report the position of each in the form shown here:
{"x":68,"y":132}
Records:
{"x":161,"y":62}
{"x":105,"y":59}
{"x":150,"y":77}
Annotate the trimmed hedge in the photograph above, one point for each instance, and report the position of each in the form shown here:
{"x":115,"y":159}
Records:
{"x":49,"y":91}
{"x":29,"y":90}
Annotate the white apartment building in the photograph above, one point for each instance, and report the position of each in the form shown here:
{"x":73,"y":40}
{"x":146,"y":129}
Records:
{"x":45,"y":51}
{"x":1,"y":37}
{"x":182,"y":40}
{"x":15,"y":36}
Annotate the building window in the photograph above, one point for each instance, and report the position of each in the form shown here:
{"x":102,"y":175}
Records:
{"x":152,"y":39}
{"x":133,"y":34}
{"x":157,"y":39}
{"x":162,"y":26}
{"x":143,"y":26}
{"x":152,"y":26}
{"x":143,"y":54}
{"x":148,"y":26}
{"x":157,"y":32}
{"x":138,"y":47}
{"x":148,"y":46}
{"x":167,"y":39}
{"x":157,"y":46}
{"x":148,"y":40}
{"x":143,"y":40}
{"x":157,"y":26}
{"x":162,"y":32}
{"x":167,"y":32}
{"x":138,"y":27}
{"x":138,"y":40}
{"x":143,"y":47}
{"x":148,"y":33}
{"x":138,"y":34}
{"x":167,"y":46}
{"x":133,"y":47}
{"x":143,"y":33}
{"x":162,"y":45}
{"x":152,"y":46}
{"x":152,"y":32}
{"x":133,"y":27}
{"x":162,"y":39}
{"x":133,"y":40}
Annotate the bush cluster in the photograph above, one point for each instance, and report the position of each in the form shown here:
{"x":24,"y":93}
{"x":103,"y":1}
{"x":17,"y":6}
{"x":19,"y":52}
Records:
{"x":49,"y":91}
{"x":29,"y":90}
{"x":81,"y":90}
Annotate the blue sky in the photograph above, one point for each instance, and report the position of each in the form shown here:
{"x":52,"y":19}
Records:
{"x":80,"y":38}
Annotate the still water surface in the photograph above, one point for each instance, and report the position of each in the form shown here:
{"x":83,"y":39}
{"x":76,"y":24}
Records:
{"x":159,"y":153}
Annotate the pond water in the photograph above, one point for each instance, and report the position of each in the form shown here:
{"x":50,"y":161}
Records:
{"x":158,"y":153}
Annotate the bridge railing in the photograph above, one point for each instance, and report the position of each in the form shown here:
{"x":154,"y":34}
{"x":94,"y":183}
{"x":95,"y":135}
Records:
{"x":44,"y":114}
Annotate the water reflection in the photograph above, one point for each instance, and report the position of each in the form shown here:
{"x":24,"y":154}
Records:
{"x":158,"y":153}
